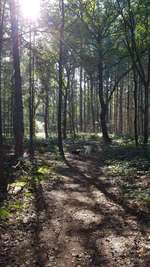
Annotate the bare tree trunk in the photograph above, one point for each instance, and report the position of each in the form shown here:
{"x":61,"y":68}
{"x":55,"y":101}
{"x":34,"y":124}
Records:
{"x":65,"y":106}
{"x":1,"y":129}
{"x":61,"y":51}
{"x":121,"y":110}
{"x":73,"y":111}
{"x":146,"y":102}
{"x":18,"y":105}
{"x":146,"y":114}
{"x":141,"y":108}
{"x":103,"y":105}
{"x":2,"y":11}
{"x":84,"y":104}
{"x":135,"y":107}
{"x":31,"y":97}
{"x":65,"y":115}
{"x":92,"y":104}
{"x":81,"y":100}
{"x":46,"y":113}
{"x":128,"y":110}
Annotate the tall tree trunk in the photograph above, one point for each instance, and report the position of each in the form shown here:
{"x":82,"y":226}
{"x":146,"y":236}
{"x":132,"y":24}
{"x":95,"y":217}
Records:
{"x":121,"y":110}
{"x":128,"y":111}
{"x":92,"y":104}
{"x":65,"y":106}
{"x":1,"y":129}
{"x":81,"y":100}
{"x":73,"y":111}
{"x":31,"y":97}
{"x":84,"y":105}
{"x":18,"y":105}
{"x":146,"y":102}
{"x":146,"y":113}
{"x":135,"y":107}
{"x":46,"y":113}
{"x":65,"y":115}
{"x":2,"y":12}
{"x":103,"y":113}
{"x":88,"y":106}
{"x":61,"y":51}
{"x":141,"y":108}
{"x":46,"y":120}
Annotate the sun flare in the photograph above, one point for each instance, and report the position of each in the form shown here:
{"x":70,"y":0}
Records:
{"x":30,"y":9}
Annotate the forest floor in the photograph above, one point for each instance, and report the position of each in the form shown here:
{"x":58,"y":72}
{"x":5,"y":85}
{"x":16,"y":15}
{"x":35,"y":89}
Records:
{"x":92,"y":213}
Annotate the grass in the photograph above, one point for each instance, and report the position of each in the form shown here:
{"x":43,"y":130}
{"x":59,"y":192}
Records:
{"x":4,"y":213}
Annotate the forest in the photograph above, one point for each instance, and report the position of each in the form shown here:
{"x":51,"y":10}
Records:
{"x":74,"y":133}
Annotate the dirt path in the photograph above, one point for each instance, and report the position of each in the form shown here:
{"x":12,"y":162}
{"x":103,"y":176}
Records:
{"x":77,"y":225}
{"x":86,"y":228}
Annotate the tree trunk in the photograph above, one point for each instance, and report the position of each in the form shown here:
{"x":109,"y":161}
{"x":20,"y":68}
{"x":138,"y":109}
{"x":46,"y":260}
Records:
{"x":18,"y":105}
{"x":81,"y":101}
{"x":67,"y":89}
{"x":65,"y":115}
{"x":46,"y":115}
{"x":103,"y":113}
{"x":135,"y":107}
{"x":2,"y":11}
{"x":61,"y":51}
{"x":141,"y":109}
{"x":120,"y":110}
{"x":31,"y":97}
{"x":1,"y":130}
{"x":84,"y":105}
{"x":128,"y":111}
{"x":146,"y":113}
{"x":92,"y":104}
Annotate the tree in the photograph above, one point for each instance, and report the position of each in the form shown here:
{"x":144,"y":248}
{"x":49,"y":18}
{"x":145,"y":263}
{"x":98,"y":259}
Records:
{"x":31,"y":93}
{"x":2,"y":13}
{"x":61,"y":51}
{"x":18,"y":105}
{"x":135,"y":23}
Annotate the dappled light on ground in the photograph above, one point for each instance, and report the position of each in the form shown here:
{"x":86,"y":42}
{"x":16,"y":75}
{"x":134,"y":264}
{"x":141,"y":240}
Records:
{"x":74,"y":217}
